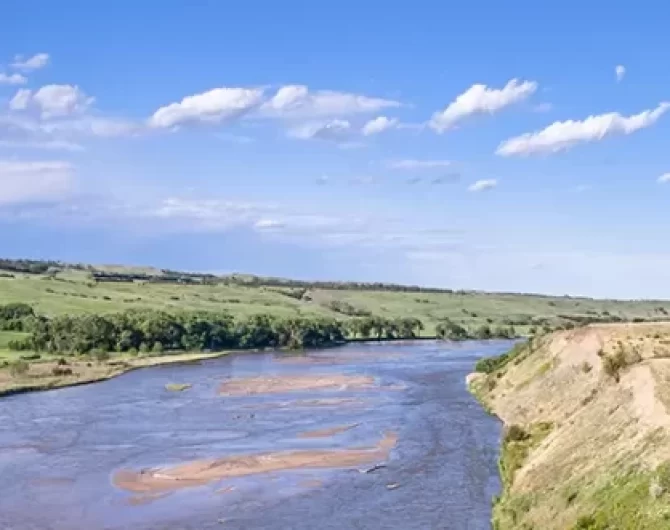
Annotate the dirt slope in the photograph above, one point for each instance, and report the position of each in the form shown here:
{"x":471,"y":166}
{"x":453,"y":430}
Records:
{"x":593,"y":430}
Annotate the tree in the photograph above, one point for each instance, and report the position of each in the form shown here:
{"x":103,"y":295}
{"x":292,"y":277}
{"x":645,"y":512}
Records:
{"x":449,"y":330}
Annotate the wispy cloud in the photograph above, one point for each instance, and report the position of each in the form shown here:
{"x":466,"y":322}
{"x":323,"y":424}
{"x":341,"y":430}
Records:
{"x":53,"y":100}
{"x":479,"y":99}
{"x":331,"y":130}
{"x":620,"y":72}
{"x":413,"y":164}
{"x":562,"y":135}
{"x":28,"y":180}
{"x":483,"y":185}
{"x":300,"y":102}
{"x":12,"y":79}
{"x":664,"y":178}
{"x":37,"y":61}
{"x":50,"y":145}
{"x":214,"y":106}
{"x":379,"y":125}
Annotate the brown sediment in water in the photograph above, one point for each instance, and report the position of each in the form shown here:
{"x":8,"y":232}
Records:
{"x":311,"y":483}
{"x":339,"y":358}
{"x":327,"y":433}
{"x":140,"y":500}
{"x":323,"y":402}
{"x":294,"y":383}
{"x":201,"y":472}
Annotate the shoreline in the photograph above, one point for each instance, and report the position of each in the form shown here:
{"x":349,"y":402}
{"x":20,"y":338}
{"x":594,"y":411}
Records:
{"x":115,"y":368}
{"x":585,"y":416}
{"x":125,"y":364}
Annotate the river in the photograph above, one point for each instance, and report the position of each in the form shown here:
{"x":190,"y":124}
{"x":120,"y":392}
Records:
{"x":62,"y":451}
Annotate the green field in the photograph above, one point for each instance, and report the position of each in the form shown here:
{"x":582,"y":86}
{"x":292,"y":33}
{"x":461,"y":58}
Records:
{"x":74,"y":292}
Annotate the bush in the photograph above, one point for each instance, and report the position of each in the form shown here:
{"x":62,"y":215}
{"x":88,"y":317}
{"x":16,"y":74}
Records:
{"x":61,"y":371}
{"x":516,"y":433}
{"x":31,"y":357}
{"x":588,"y":522}
{"x":157,"y":347}
{"x":100,"y":355}
{"x":18,"y":368}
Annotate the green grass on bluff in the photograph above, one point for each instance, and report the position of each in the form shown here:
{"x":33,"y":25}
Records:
{"x":72,"y":291}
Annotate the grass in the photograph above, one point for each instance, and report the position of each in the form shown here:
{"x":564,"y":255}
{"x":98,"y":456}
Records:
{"x":46,"y":374}
{"x":73,"y":292}
{"x":626,"y":501}
{"x":177,"y":387}
{"x":517,"y":445}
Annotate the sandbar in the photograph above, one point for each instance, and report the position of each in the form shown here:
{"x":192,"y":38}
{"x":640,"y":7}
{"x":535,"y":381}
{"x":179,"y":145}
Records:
{"x":327,"y":433}
{"x":201,"y":472}
{"x":294,"y":383}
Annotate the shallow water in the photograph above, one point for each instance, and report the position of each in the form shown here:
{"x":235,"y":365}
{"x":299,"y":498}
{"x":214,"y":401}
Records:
{"x":59,"y":450}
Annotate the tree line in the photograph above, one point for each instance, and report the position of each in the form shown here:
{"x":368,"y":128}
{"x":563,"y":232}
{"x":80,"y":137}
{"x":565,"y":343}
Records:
{"x":158,"y":331}
{"x":449,"y":330}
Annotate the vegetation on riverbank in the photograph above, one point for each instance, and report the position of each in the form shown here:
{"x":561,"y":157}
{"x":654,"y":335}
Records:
{"x":98,"y":315}
{"x":54,"y":288}
{"x":587,"y":437}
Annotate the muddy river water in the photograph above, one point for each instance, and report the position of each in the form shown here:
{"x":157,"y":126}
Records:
{"x":366,"y":437}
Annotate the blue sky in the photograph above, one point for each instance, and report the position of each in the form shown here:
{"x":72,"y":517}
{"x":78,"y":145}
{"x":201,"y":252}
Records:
{"x":488,"y":146}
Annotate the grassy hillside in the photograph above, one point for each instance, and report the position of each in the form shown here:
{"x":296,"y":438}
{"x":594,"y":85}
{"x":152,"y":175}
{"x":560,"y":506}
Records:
{"x":74,"y":291}
{"x":587,"y":442}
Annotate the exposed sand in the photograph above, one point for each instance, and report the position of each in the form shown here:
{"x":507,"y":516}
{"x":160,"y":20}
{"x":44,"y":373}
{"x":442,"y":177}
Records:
{"x":201,"y":472}
{"x":294,"y":383}
{"x":323,"y":402}
{"x":327,"y":433}
{"x":601,"y":427}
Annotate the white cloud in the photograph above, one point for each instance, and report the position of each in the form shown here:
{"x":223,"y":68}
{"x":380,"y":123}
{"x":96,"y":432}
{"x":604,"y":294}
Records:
{"x":620,"y":72}
{"x":34,"y":181}
{"x":51,"y":145}
{"x":61,"y":100}
{"x":268,"y":224}
{"x":21,"y":99}
{"x":379,"y":125}
{"x":213,"y":106}
{"x":297,"y":101}
{"x":483,"y":185}
{"x":53,"y":101}
{"x":418,"y":164}
{"x":12,"y":79}
{"x":479,"y":99}
{"x":35,"y":62}
{"x":562,"y":135}
{"x":664,"y":178}
{"x":333,"y":130}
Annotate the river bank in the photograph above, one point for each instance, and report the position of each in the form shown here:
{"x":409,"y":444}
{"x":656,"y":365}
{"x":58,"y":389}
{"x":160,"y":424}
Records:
{"x":587,"y":429}
{"x":52,"y":374}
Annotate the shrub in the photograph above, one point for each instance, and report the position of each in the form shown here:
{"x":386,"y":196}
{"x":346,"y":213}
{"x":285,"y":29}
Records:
{"x":663,"y":476}
{"x":588,"y":522}
{"x":31,"y":357}
{"x":61,"y":371}
{"x":18,"y":368}
{"x":516,"y":433}
{"x":586,"y":367}
{"x":157,"y":347}
{"x":100,"y":355}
